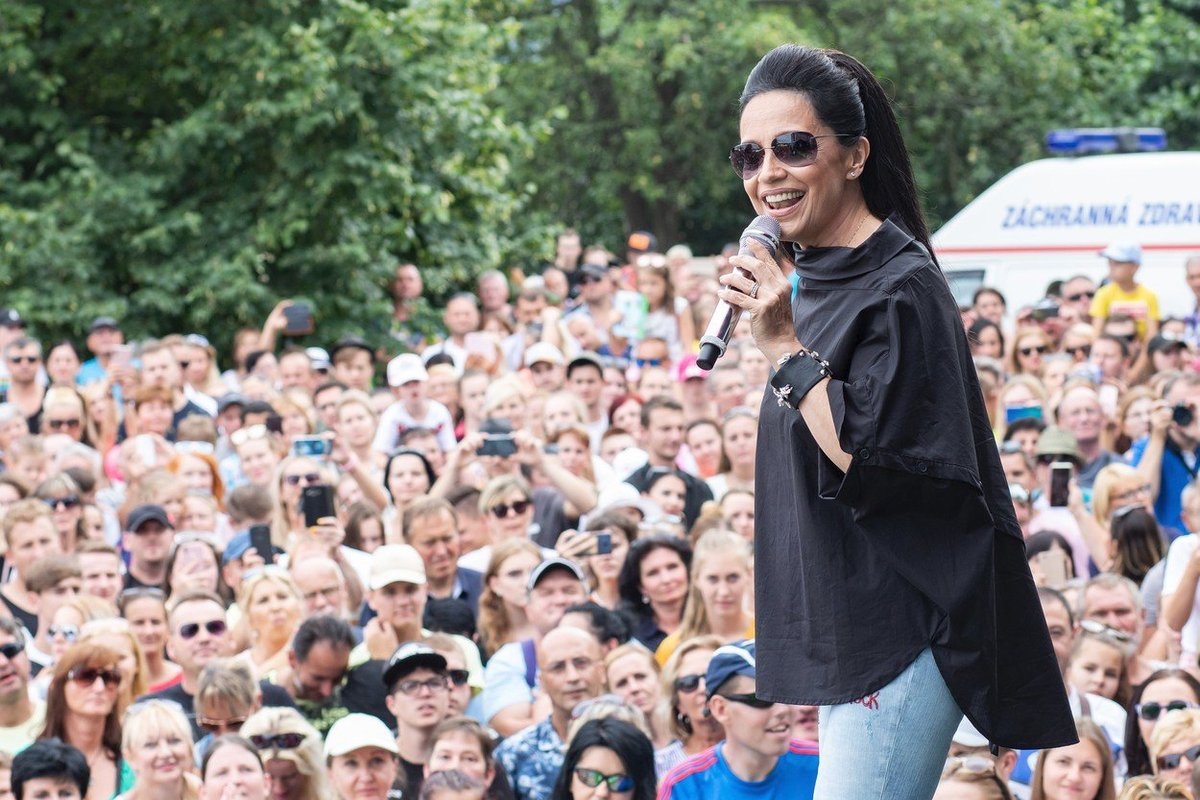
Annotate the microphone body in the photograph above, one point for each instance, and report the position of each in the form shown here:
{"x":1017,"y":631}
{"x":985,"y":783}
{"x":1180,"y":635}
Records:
{"x":764,"y":230}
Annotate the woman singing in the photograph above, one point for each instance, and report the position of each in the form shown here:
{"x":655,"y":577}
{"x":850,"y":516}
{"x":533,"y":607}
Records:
{"x":892,"y":586}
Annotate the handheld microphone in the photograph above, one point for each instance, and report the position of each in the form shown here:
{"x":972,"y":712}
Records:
{"x":764,"y":230}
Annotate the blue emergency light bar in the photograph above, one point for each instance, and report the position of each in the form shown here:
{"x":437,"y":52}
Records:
{"x":1083,"y":141}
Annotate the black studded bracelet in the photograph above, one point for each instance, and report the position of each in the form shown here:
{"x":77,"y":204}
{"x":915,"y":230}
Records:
{"x":795,"y":376}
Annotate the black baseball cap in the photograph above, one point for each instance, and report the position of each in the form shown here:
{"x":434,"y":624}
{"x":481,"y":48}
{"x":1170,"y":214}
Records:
{"x":351,"y":342}
{"x":147,"y":513}
{"x":551,"y":565}
{"x":408,"y":657}
{"x":104,"y":323}
{"x":11,"y":318}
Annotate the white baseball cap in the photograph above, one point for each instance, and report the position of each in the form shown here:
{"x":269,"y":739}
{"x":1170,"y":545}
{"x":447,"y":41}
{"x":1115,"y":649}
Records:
{"x":1124,"y":252}
{"x":544,"y":351}
{"x":405,"y":368}
{"x":355,"y":731}
{"x":396,"y":563}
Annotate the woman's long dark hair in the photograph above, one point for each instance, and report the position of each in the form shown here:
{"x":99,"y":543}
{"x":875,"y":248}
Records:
{"x":1140,"y":543}
{"x":848,"y":98}
{"x":629,"y":582}
{"x":1137,"y":755}
{"x":631,"y":746}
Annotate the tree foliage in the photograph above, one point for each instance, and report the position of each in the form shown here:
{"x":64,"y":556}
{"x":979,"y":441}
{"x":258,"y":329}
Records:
{"x":183,"y":165}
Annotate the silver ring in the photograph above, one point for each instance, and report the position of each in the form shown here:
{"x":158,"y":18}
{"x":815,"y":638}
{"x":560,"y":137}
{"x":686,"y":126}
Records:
{"x":754,"y":290}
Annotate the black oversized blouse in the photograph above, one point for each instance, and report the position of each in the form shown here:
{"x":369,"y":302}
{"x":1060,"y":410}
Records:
{"x":916,"y":544}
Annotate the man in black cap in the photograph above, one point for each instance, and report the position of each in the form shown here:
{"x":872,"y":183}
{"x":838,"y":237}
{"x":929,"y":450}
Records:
{"x":104,"y":336}
{"x":418,"y":694}
{"x":147,"y":538}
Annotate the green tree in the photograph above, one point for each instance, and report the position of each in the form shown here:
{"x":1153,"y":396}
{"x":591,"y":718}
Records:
{"x":184,"y":165}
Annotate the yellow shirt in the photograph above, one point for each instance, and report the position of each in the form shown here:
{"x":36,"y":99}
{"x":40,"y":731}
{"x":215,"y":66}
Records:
{"x":1140,"y":305}
{"x":668,"y":645}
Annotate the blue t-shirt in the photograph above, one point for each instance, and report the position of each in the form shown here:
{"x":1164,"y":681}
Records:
{"x":1173,"y":476}
{"x":707,"y":775}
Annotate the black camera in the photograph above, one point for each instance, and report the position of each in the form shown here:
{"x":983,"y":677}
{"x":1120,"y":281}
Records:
{"x":1182,"y":415}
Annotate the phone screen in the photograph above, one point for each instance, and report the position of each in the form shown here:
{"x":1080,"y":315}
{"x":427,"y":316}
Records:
{"x":316,"y":502}
{"x":1060,"y":483}
{"x":260,"y":540}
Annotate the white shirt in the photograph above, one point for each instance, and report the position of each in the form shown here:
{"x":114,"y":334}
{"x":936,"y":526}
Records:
{"x":396,"y":418}
{"x":1177,"y":559}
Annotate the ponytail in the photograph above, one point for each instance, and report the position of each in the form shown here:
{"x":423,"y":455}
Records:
{"x":848,"y":98}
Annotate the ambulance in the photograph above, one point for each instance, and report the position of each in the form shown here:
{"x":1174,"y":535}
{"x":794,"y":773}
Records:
{"x":1048,"y":220}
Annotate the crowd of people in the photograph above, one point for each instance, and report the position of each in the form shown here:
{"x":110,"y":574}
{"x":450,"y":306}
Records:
{"x":515,"y":559}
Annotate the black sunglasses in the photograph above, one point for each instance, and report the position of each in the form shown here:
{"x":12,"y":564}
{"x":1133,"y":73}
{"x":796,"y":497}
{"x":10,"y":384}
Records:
{"x":1085,"y":349}
{"x":88,"y":676}
{"x":1151,"y":711}
{"x":747,"y":700}
{"x":309,"y":478}
{"x":686,"y":684}
{"x":1039,"y":349}
{"x":11,"y":650}
{"x":1172,"y":761}
{"x":25,"y":359}
{"x":70,"y":501}
{"x":517,"y":507}
{"x":795,"y":149}
{"x":189,"y":630}
{"x":1075,"y":298}
{"x":278,"y":741}
{"x":458,"y":677}
{"x":60,"y":424}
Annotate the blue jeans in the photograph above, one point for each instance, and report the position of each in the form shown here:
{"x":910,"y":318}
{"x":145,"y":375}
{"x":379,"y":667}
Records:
{"x":890,"y":745}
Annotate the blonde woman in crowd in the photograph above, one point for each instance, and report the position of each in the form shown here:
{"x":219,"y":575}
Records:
{"x":291,"y":751}
{"x":156,"y":743}
{"x":273,"y":609}
{"x":634,"y":675}
{"x":716,"y":601}
{"x":1175,"y":745}
{"x":683,"y":703}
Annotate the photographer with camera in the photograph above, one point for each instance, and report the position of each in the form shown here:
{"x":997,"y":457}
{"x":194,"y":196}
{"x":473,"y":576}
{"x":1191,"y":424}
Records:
{"x":1168,"y":456}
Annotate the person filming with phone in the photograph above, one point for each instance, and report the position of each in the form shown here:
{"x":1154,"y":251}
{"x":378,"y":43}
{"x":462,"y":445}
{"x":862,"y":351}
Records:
{"x":1168,"y":456}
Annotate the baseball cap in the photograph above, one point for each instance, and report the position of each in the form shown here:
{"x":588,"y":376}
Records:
{"x":619,"y":495}
{"x":1056,"y":441}
{"x":396,"y":563}
{"x":642,"y":241}
{"x":687,"y":369}
{"x":584,"y":358}
{"x":727,"y":661}
{"x":543,"y":352}
{"x":1161,"y":343}
{"x":968,"y":735}
{"x":230,"y":399}
{"x":355,"y":731}
{"x":1123,"y":251}
{"x":405,"y":368}
{"x":318,"y":357}
{"x":11,"y":318}
{"x":550,"y":564}
{"x":408,"y":657}
{"x":147,"y":513}
{"x":355,"y":342}
{"x":595,"y":270}
{"x":103,"y":323}
{"x":239,"y":544}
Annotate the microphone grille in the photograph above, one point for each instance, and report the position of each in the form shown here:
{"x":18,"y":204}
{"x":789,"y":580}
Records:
{"x":766,"y":224}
